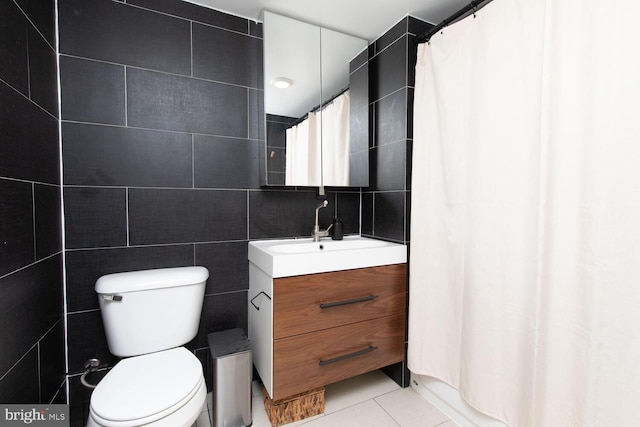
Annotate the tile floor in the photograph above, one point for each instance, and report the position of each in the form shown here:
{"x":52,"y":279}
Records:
{"x":369,"y":400}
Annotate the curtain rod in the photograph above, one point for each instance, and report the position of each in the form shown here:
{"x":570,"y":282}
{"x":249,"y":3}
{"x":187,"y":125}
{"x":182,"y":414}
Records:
{"x":319,"y":107}
{"x":471,"y":7}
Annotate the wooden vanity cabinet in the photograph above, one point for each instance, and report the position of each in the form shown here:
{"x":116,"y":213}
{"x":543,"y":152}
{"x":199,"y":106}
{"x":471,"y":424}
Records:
{"x":331,"y":326}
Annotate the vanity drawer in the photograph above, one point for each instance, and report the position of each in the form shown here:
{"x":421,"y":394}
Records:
{"x":308,"y":361}
{"x":314,"y":302}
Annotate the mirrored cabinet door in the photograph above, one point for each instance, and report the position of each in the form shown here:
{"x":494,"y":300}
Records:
{"x":315,"y":105}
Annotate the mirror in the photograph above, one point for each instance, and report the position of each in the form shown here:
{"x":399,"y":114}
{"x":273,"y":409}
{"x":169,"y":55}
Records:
{"x":317,"y":124}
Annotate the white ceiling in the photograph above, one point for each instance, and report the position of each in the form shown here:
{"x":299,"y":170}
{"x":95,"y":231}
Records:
{"x":367,"y":19}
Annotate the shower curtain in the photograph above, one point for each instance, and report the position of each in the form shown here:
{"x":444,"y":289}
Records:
{"x":525,"y":223}
{"x":317,"y":148}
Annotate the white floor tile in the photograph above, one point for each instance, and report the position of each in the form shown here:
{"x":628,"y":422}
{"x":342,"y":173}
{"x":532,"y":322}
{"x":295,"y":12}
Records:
{"x":410,"y":409}
{"x":369,"y":400}
{"x":357,"y":390}
{"x":366,"y":414}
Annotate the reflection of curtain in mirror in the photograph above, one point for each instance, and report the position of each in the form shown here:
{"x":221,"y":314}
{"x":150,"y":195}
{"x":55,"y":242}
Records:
{"x":335,"y":142}
{"x":303,"y":153}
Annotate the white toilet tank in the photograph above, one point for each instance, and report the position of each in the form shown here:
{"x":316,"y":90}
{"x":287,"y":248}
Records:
{"x":151,"y":310}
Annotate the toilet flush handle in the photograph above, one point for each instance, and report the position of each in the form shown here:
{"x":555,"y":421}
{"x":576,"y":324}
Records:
{"x":116,"y":298}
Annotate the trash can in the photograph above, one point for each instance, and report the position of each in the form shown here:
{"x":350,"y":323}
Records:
{"x":232,"y":369}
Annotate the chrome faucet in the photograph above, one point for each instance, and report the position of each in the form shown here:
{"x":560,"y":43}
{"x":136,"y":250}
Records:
{"x":317,"y":233}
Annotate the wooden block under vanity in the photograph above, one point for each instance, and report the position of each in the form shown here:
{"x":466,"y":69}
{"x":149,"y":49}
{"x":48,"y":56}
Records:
{"x":294,"y":408}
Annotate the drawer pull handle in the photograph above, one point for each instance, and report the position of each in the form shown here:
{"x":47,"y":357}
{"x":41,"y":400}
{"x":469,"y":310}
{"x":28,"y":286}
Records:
{"x":347,"y":301}
{"x":347,"y":356}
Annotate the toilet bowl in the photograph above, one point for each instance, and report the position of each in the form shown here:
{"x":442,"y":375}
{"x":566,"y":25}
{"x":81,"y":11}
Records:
{"x":148,"y":315}
{"x":163,"y":389}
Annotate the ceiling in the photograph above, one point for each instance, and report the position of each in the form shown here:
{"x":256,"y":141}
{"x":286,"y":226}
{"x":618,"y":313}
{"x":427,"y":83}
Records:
{"x":367,"y":19}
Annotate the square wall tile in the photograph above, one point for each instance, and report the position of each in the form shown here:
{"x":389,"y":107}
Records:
{"x":227,"y":263}
{"x":43,"y":75}
{"x":195,"y":12}
{"x":48,"y":220}
{"x":282,"y":214}
{"x":388,"y":70}
{"x":122,"y":34}
{"x":16,"y":225}
{"x":225,"y":162}
{"x":242,"y":53}
{"x":13,"y":47}
{"x":389,"y":215}
{"x":32,"y":305}
{"x":168,"y":102}
{"x":95,"y":217}
{"x":20,"y":384}
{"x":52,"y":361}
{"x":43,"y":16}
{"x":30,"y":149}
{"x":92,"y":91}
{"x":179,"y":216}
{"x":388,"y":167}
{"x":117,"y":156}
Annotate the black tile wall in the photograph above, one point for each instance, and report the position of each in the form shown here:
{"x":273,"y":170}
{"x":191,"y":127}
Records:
{"x":168,"y":183}
{"x":225,"y":162}
{"x":162,"y":117}
{"x":242,"y":66}
{"x":43,"y":77}
{"x":13,"y":45}
{"x":16,"y":211}
{"x":178,"y":216}
{"x":164,"y":101}
{"x":32,"y":305}
{"x":42,"y":14}
{"x":118,"y":33}
{"x":48,"y":220}
{"x":119,"y":156}
{"x":92,"y":91}
{"x":32,"y":364}
{"x":196,"y":13}
{"x":226,"y":274}
{"x":386,"y":202}
{"x":30,"y":149}
{"x":84,"y":267}
{"x":95,"y":217}
{"x":20,"y":385}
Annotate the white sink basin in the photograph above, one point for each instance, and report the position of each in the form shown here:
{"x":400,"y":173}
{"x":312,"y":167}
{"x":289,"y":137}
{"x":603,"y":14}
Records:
{"x":293,"y":257}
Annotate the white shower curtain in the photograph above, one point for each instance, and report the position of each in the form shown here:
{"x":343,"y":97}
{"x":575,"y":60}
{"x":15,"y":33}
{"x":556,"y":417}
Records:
{"x":304,"y":153}
{"x":525,"y":224}
{"x":336,"y":142}
{"x":317,"y":148}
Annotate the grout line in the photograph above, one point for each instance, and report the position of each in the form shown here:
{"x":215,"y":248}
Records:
{"x":191,"y":45}
{"x":126,"y":99}
{"x":39,"y":374}
{"x":152,"y":70}
{"x":193,"y":161}
{"x":30,"y":100}
{"x":28,"y":65}
{"x":126,"y":202}
{"x":33,"y":216}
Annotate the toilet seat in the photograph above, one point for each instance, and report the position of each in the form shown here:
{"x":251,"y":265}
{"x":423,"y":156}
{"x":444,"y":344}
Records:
{"x":144,"y":389}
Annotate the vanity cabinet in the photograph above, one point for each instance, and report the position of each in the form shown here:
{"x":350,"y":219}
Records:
{"x":312,"y":330}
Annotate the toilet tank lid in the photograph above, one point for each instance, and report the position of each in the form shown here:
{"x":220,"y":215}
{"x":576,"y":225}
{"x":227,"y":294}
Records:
{"x":133,"y":281}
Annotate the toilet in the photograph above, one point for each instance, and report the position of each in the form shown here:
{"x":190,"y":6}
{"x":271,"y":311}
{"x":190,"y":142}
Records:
{"x":148,"y":315}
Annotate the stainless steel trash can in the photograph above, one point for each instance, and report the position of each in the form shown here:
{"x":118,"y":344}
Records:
{"x":232,"y":369}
